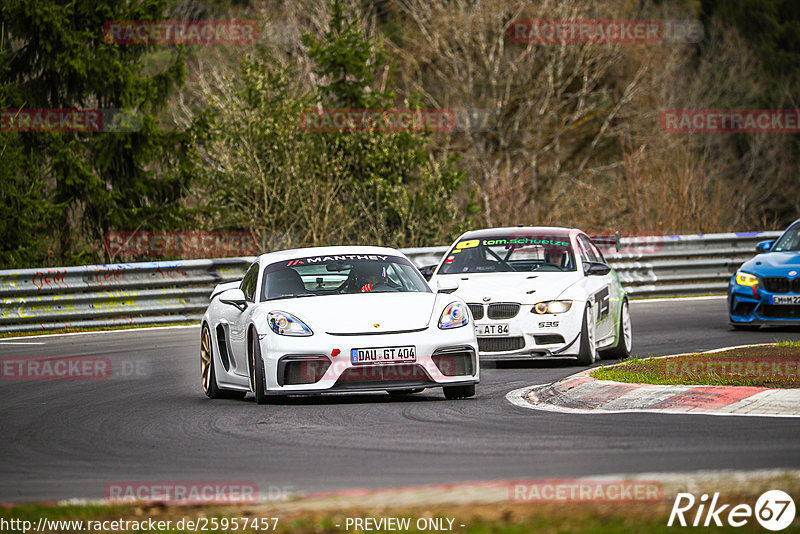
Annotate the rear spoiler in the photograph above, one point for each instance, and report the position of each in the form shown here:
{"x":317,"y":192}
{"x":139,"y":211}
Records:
{"x":224,"y":287}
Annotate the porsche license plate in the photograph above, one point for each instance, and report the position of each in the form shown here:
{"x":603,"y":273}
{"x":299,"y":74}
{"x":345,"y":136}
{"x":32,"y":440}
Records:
{"x":383,"y":355}
{"x":785,"y":299}
{"x":500,"y":329}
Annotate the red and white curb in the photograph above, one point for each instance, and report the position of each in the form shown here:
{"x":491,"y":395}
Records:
{"x":580,"y":393}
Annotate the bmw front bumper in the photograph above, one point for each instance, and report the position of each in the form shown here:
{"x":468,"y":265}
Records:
{"x":533,"y":336}
{"x":748,"y":307}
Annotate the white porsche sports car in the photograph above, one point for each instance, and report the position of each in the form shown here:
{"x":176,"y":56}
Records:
{"x":538,"y":292}
{"x":336,"y":319}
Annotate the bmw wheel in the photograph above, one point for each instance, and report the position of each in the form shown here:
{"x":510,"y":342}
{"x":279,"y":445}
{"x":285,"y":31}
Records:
{"x":587,"y":352}
{"x":624,"y":337}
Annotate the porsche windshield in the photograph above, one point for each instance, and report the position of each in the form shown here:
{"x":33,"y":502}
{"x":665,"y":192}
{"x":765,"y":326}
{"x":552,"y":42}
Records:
{"x":341,"y":274}
{"x":510,"y":254}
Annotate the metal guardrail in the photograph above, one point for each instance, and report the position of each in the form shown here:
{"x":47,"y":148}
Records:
{"x":177,"y":291}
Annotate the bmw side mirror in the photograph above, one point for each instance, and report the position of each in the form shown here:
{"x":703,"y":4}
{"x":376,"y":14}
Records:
{"x":596,"y":268}
{"x":446,"y":285}
{"x":234,"y":297}
{"x":427,"y":271}
{"x":764,"y":246}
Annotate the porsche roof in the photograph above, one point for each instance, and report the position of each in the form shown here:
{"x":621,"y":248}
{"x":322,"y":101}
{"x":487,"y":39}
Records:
{"x":282,"y":255}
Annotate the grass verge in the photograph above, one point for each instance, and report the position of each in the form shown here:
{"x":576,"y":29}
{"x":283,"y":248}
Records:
{"x":771,"y":366}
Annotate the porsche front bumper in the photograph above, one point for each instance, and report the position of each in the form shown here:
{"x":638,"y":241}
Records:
{"x":322,"y":363}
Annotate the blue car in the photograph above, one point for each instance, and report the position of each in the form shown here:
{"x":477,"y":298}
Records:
{"x":766,"y":289}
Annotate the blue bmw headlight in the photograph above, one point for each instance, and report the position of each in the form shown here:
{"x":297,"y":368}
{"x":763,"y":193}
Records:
{"x":454,"y":316}
{"x":286,"y":324}
{"x":746,"y":279}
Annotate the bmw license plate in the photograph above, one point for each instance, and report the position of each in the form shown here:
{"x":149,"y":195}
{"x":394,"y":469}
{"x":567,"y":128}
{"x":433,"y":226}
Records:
{"x":499,"y":329}
{"x":785,"y":299}
{"x":384,"y":355}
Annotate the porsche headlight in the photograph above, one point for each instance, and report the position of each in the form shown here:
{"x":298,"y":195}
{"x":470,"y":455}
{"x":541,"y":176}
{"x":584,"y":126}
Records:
{"x":454,"y":316}
{"x":286,"y":324}
{"x":746,"y":279}
{"x":552,"y":306}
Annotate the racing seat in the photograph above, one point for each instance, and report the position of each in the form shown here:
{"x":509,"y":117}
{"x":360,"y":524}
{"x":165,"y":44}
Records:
{"x":284,"y":283}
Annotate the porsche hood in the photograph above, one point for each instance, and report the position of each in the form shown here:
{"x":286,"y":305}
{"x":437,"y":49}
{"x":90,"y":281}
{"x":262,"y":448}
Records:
{"x":364,"y":313}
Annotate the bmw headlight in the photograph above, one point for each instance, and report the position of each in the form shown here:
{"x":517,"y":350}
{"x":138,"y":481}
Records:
{"x":286,"y":324}
{"x":746,"y":279}
{"x":552,"y":306}
{"x":454,"y":316}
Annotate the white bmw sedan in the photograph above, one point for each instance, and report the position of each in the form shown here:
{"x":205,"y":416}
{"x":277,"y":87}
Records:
{"x":336,"y":319}
{"x":538,"y":292}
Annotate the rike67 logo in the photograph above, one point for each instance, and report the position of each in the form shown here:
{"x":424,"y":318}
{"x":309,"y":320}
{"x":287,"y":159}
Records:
{"x":774,"y":510}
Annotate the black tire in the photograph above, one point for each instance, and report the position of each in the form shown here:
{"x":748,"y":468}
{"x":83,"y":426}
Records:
{"x":459,"y":392}
{"x":402,"y":392}
{"x":207,"y":373}
{"x":621,"y":351}
{"x":587,"y":351}
{"x":745,"y":327}
{"x":257,"y":381}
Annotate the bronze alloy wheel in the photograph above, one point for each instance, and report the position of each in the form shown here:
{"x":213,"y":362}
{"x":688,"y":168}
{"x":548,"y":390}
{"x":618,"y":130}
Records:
{"x":207,"y":373}
{"x":205,"y":360}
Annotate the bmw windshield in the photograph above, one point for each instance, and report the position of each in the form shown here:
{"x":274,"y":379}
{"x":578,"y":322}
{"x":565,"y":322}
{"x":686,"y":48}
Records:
{"x":341,"y":274}
{"x":789,"y":241}
{"x":504,"y":253}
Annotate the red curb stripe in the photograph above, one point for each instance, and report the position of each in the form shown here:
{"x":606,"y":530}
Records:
{"x":569,"y":384}
{"x":709,"y":397}
{"x":603,"y":394}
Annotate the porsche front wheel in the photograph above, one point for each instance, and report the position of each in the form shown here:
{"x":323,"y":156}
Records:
{"x":210,"y":387}
{"x":459,"y":392}
{"x":257,"y":382}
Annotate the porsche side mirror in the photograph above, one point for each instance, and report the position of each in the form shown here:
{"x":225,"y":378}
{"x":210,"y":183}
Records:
{"x":427,"y":271}
{"x":595,"y":268}
{"x":445,"y":285}
{"x":234,"y":297}
{"x":764,"y":246}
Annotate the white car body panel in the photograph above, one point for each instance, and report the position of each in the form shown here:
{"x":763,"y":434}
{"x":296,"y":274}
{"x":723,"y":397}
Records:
{"x":339,"y":322}
{"x":601,"y":293}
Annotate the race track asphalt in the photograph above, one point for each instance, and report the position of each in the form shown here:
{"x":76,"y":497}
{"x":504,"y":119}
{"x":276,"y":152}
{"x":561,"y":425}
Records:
{"x":69,"y":439}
